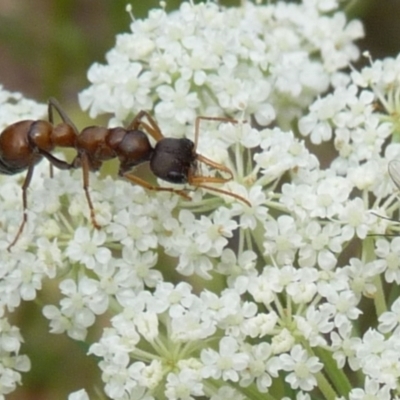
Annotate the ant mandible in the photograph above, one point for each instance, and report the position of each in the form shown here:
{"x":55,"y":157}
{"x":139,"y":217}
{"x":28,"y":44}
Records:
{"x":24,"y":144}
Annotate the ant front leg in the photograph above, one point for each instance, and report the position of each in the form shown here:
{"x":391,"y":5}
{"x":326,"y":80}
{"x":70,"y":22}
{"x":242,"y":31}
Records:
{"x":135,"y":179}
{"x":202,"y":118}
{"x":218,"y":167}
{"x":198,"y":182}
{"x":24,"y":188}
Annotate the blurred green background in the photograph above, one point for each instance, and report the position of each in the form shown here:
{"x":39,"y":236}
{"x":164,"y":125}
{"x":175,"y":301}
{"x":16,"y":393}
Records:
{"x":46,"y":47}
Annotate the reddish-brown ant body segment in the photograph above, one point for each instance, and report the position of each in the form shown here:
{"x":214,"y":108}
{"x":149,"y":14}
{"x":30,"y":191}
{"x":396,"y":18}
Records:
{"x":25,"y":143}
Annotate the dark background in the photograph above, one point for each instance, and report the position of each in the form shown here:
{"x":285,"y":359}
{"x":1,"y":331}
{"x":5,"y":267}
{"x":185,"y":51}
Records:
{"x":46,"y":47}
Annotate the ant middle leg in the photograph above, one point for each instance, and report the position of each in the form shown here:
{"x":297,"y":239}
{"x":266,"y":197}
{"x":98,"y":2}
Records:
{"x":85,"y":165}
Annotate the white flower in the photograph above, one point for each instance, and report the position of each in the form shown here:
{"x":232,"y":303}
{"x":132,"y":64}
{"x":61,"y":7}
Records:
{"x":390,"y":252}
{"x":362,"y":275}
{"x":282,"y":342}
{"x":183,"y":386}
{"x":282,"y":239}
{"x":301,"y":367}
{"x":226,"y":392}
{"x":133,"y":229}
{"x":390,"y":320}
{"x":148,"y":376}
{"x":345,"y":347}
{"x":262,"y":367}
{"x":178,"y":103}
{"x":14,"y":107}
{"x":60,"y":323}
{"x":173,"y":298}
{"x":226,"y":364}
{"x":315,"y":324}
{"x":371,"y":391}
{"x":345,"y":304}
{"x":232,"y":267}
{"x":77,"y":310}
{"x":261,"y":324}
{"x":211,"y":237}
{"x":324,"y":242}
{"x":79,"y":395}
{"x":355,"y":219}
{"x":87,"y":249}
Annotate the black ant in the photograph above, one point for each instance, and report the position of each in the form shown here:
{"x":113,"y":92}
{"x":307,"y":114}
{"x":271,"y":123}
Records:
{"x":24,"y":144}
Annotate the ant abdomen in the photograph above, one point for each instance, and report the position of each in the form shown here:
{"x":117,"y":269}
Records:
{"x":16,"y":143}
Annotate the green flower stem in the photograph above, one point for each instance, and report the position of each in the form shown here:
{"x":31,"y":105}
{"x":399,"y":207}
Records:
{"x":379,"y":297}
{"x":335,"y":374}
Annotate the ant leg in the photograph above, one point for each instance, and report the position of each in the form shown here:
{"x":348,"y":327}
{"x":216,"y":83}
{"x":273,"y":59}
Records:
{"x":60,"y":164}
{"x":152,"y":127}
{"x":139,"y":181}
{"x":217,"y":166}
{"x":54,"y":104}
{"x":197,"y":182}
{"x":24,"y":188}
{"x":85,"y":169}
{"x":201,"y":118}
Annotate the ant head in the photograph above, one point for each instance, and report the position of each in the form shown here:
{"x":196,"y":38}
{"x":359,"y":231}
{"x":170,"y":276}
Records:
{"x":173,"y":160}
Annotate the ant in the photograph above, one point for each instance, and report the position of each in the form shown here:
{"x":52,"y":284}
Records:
{"x":171,"y":159}
{"x":25,"y":143}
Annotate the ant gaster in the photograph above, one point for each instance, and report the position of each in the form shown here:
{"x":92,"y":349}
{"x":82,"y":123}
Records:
{"x":24,"y":144}
{"x":173,"y":160}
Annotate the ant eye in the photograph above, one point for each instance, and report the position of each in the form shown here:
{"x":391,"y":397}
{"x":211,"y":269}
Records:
{"x":176,"y":177}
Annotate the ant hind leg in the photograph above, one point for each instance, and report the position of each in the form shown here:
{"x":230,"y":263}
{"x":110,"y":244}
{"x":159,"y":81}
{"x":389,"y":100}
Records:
{"x":24,"y":188}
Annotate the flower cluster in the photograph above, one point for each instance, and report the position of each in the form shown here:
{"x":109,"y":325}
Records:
{"x":263,"y":61}
{"x":258,"y":287}
{"x":14,"y":107}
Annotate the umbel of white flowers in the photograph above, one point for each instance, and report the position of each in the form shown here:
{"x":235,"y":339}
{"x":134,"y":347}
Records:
{"x":279,"y":285}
